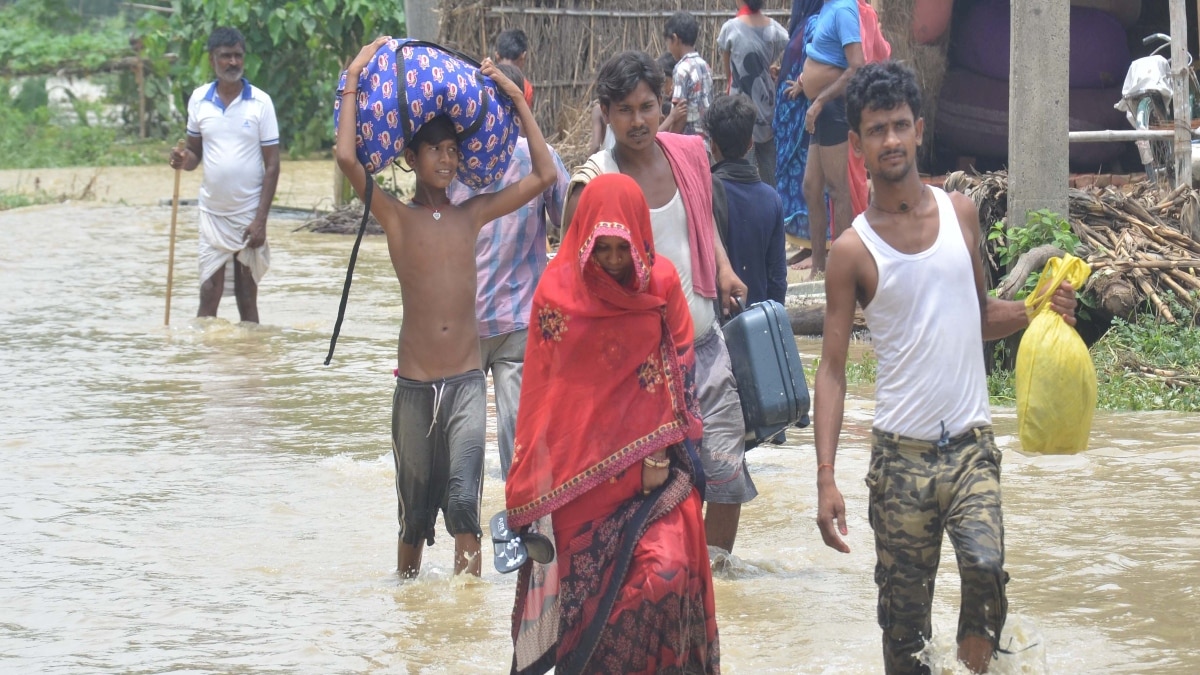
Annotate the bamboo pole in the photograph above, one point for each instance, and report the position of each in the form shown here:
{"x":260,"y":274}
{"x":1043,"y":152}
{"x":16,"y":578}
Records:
{"x":1186,"y":279}
{"x":1147,"y":264}
{"x":1180,"y":294}
{"x":139,"y":75}
{"x":179,"y":147}
{"x":1140,"y":279}
{"x":1109,"y":135}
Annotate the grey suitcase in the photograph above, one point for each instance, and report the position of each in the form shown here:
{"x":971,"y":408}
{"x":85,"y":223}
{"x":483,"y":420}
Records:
{"x":767,"y":367}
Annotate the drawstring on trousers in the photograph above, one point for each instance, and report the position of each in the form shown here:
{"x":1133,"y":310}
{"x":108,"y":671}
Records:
{"x":944,"y":439}
{"x":437,"y":404}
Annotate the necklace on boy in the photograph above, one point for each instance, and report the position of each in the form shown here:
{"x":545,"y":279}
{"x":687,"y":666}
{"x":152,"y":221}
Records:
{"x":437,"y":213}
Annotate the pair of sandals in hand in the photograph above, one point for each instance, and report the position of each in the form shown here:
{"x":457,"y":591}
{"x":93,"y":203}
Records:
{"x":512,"y":548}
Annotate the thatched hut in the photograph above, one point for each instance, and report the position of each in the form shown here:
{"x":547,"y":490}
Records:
{"x":570,"y":39}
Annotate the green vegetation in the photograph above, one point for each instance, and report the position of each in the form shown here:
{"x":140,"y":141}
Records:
{"x":15,"y":200}
{"x":295,"y":52}
{"x":1041,"y":227}
{"x":33,"y":138}
{"x":1150,"y":364}
{"x":860,"y":372}
{"x":43,"y":36}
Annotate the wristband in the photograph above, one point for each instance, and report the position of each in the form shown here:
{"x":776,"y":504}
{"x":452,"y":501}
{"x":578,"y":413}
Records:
{"x":348,"y":91}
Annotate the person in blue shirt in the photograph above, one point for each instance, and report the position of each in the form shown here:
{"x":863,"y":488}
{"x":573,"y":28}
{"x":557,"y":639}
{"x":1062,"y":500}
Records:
{"x":831,"y":59}
{"x":751,"y":211}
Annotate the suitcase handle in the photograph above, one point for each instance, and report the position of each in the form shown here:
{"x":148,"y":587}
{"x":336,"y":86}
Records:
{"x":719,"y":308}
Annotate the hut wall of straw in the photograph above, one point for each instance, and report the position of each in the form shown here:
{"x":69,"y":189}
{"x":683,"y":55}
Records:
{"x":568,"y":42}
{"x":928,"y":61}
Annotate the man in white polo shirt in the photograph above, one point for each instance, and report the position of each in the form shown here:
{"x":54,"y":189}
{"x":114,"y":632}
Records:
{"x":231,"y":127}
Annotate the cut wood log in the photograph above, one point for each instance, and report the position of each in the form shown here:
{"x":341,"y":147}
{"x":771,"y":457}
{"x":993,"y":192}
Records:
{"x":1030,"y":261}
{"x":1143,"y":239}
{"x":809,"y":320}
{"x":1116,"y":294}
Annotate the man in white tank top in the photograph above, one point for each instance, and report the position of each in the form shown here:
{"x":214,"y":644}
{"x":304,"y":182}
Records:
{"x":913,"y":262}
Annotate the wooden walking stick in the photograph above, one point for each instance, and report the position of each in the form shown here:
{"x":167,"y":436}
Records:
{"x":180,"y":147}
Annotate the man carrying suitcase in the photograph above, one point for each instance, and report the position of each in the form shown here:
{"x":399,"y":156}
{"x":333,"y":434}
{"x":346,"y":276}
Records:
{"x":673,"y":173}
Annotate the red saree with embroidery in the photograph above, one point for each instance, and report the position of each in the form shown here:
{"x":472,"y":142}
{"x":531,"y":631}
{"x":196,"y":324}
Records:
{"x":608,"y":381}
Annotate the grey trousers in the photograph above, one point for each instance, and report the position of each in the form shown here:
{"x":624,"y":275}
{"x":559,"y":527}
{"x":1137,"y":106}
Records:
{"x":762,"y":156}
{"x":504,"y":358}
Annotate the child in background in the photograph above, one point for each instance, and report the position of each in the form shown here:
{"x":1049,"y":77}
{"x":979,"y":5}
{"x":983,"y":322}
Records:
{"x":752,"y":45}
{"x":512,"y":48}
{"x":692,"y":80}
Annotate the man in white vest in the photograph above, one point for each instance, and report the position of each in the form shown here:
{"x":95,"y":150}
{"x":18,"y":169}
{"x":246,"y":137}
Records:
{"x":913,"y":262}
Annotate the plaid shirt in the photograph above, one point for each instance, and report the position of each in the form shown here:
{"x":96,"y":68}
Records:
{"x":510,"y":252}
{"x":693,"y":81}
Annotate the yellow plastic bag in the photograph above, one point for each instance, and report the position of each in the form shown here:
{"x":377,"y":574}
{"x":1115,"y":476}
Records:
{"x":1056,"y":381}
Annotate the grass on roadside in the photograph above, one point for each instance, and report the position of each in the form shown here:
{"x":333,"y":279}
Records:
{"x":859,"y":372}
{"x":1147,"y":364}
{"x":15,"y":200}
{"x":34,"y":137}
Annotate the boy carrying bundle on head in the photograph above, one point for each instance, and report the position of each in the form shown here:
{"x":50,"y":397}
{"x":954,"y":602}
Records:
{"x":439,"y":406}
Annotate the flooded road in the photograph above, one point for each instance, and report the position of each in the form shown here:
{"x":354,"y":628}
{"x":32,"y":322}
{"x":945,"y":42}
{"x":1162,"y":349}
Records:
{"x":211,"y":498}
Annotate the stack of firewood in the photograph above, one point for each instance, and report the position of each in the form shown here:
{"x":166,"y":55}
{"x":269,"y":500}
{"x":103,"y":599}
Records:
{"x":1141,"y":241}
{"x":344,"y":219}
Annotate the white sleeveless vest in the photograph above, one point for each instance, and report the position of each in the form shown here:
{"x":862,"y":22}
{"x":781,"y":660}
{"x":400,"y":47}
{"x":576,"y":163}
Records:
{"x":927,"y":333}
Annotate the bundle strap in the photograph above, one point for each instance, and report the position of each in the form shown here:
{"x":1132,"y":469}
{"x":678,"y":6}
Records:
{"x":362,"y":228}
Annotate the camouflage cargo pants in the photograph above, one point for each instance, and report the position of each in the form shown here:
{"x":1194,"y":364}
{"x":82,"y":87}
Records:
{"x":919,"y":489}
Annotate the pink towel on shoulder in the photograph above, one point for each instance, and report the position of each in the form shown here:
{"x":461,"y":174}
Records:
{"x":689,"y":163}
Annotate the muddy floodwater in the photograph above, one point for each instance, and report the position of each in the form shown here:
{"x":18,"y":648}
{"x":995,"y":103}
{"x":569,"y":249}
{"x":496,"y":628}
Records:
{"x":209,"y":497}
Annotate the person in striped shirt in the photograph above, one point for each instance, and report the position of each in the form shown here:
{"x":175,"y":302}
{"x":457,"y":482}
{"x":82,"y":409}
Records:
{"x":510,"y":256}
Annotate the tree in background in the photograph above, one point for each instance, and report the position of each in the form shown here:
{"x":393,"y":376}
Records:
{"x":295,"y":51}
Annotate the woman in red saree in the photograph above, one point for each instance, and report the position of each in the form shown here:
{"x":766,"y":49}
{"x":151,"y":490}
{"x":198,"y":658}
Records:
{"x":602,"y":463}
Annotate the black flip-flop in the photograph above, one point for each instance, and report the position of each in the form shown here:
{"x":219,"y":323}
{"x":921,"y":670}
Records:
{"x":512,"y":548}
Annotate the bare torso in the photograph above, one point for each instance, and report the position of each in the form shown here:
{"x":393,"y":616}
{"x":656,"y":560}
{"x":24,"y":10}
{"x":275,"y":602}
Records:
{"x":818,"y":76}
{"x":435,"y":264}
